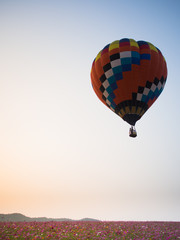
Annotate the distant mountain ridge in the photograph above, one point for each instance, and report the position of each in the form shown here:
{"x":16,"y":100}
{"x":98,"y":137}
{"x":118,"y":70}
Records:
{"x":18,"y":217}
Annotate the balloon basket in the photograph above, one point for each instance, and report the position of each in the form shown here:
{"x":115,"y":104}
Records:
{"x":132,"y":132}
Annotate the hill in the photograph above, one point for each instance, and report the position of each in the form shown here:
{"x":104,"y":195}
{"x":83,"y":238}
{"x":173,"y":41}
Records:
{"x":18,"y":217}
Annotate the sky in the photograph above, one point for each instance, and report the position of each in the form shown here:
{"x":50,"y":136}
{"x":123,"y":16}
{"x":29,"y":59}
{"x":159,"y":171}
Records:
{"x":62,"y":152}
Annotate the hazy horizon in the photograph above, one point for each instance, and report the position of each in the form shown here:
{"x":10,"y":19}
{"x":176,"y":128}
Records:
{"x":44,"y":218}
{"x":62,"y":152}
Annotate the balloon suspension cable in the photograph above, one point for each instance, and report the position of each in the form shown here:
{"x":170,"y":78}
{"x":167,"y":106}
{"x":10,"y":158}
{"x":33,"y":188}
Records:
{"x":132,"y":132}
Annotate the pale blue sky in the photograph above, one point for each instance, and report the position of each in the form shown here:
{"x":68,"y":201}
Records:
{"x":62,"y":152}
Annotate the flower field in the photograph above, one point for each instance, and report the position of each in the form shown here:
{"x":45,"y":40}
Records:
{"x":84,"y":230}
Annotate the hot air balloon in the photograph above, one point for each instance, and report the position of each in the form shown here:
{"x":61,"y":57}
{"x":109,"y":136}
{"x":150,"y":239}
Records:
{"x":128,"y":76}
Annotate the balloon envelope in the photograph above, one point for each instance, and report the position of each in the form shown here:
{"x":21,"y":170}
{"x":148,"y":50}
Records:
{"x":128,"y":77}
